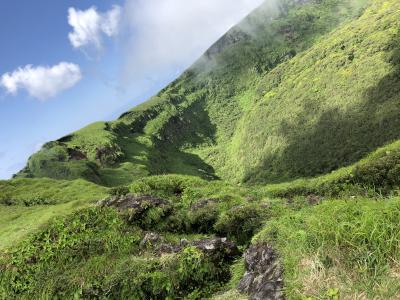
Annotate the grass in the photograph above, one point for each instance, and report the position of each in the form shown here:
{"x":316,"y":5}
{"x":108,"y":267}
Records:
{"x":326,"y":107}
{"x":346,"y":246}
{"x":48,"y":191}
{"x":19,"y":222}
{"x":65,"y":239}
{"x":26,"y":205}
{"x":376,"y":175}
{"x":351,"y":246}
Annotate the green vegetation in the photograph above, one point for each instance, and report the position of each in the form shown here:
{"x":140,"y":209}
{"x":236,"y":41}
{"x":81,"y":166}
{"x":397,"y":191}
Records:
{"x":98,"y":241}
{"x":31,"y":192}
{"x":328,"y":106}
{"x":345,"y":244}
{"x":28,"y":204}
{"x":375,"y":175}
{"x":352,"y":246}
{"x":284,"y":133}
{"x":105,"y":243}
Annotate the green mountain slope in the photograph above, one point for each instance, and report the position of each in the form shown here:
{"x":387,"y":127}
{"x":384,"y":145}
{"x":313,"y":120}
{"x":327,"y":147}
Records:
{"x":329,"y":106}
{"x":225,"y":117}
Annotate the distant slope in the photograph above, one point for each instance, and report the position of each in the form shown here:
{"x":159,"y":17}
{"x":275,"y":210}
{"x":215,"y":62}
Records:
{"x":297,"y":90}
{"x":330,"y":105}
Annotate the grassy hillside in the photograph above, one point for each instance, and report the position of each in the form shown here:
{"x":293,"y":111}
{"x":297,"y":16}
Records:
{"x":198,"y":124}
{"x":330,"y":105}
{"x":329,"y":247}
{"x":28,"y":204}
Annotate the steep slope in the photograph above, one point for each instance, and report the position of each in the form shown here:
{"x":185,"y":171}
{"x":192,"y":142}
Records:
{"x":195,"y":125}
{"x":329,"y":106}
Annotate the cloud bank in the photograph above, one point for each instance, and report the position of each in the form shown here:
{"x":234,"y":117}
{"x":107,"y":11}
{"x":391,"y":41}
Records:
{"x":42,"y":82}
{"x":89,"y":26}
{"x":171,"y":34}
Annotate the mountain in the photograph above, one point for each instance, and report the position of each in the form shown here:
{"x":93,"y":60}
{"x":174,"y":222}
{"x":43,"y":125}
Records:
{"x":270,"y":169}
{"x":261,"y":105}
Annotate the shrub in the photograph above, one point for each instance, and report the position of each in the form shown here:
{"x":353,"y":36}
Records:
{"x":202,"y":220}
{"x":119,"y":191}
{"x":240,"y":223}
{"x":70,"y":240}
{"x":382,"y":172}
{"x":165,"y":186}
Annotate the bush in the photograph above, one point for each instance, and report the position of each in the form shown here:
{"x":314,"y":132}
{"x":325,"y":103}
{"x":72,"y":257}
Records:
{"x":202,"y":220}
{"x":119,"y":191}
{"x":382,"y":172}
{"x":148,"y":214}
{"x":186,"y":275}
{"x":70,"y":240}
{"x":240,"y":223}
{"x":165,"y":186}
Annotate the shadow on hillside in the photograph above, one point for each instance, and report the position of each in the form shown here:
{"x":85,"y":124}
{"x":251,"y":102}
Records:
{"x":339,"y":138}
{"x":190,"y":129}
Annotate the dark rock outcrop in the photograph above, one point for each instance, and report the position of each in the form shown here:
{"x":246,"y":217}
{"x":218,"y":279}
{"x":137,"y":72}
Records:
{"x":156,"y":243}
{"x":204,"y":203}
{"x":76,"y":154}
{"x":151,"y":239}
{"x":138,"y":203}
{"x":263,"y":279}
{"x":140,"y":210}
{"x":217,"y":247}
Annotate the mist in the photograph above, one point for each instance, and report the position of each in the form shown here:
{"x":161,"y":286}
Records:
{"x":162,"y":38}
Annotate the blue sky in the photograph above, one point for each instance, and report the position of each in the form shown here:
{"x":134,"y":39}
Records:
{"x":65,"y":64}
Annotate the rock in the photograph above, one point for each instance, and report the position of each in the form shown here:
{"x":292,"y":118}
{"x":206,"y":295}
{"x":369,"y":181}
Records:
{"x":166,"y":248}
{"x":203,"y":203}
{"x":139,"y":203}
{"x":184,"y":242}
{"x":76,"y":154}
{"x":263,"y":279}
{"x":216,"y":248}
{"x":137,"y":208}
{"x":150,"y":240}
{"x":156,"y":243}
{"x":314,"y":199}
{"x":250,"y":198}
{"x":219,"y":248}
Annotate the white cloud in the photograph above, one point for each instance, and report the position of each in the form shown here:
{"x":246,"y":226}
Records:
{"x":171,"y":34}
{"x":42,"y":82}
{"x":89,"y":26}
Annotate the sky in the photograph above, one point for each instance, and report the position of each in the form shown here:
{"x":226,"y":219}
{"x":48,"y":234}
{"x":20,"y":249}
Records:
{"x":65,"y":64}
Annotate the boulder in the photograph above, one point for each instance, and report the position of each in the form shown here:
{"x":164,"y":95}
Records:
{"x":219,"y":248}
{"x":138,"y":203}
{"x":150,"y":240}
{"x":204,"y":203}
{"x":263,"y":279}
{"x":76,"y":154}
{"x":138,"y":209}
{"x":216,"y":248}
